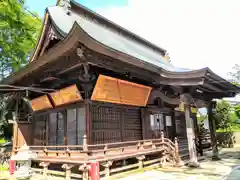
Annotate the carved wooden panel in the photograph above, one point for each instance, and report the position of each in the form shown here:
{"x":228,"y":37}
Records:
{"x":41,"y":103}
{"x":66,"y":95}
{"x":109,"y":89}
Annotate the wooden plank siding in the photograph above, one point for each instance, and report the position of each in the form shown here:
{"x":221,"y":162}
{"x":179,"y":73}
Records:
{"x":66,"y":95}
{"x":113,"y":90}
{"x":41,"y":103}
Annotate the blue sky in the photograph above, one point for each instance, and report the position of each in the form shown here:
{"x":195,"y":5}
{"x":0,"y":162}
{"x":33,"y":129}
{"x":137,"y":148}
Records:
{"x":39,"y":6}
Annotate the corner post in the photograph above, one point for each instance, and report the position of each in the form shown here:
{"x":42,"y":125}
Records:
{"x":190,"y":133}
{"x":212,"y":128}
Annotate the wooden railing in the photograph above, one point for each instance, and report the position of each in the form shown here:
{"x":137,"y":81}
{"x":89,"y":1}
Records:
{"x":106,"y":154}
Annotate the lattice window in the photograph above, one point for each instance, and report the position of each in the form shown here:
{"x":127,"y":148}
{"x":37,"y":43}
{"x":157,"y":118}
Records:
{"x":52,"y":129}
{"x":72,"y":126}
{"x":60,"y":128}
{"x":39,"y":133}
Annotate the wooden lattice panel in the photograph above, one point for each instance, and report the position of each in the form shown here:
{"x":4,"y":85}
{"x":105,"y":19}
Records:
{"x":66,"y":95}
{"x":41,"y":103}
{"x":114,"y":90}
{"x":106,"y":124}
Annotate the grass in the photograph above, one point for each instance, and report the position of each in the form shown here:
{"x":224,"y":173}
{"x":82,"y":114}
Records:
{"x":2,"y":141}
{"x":3,"y":168}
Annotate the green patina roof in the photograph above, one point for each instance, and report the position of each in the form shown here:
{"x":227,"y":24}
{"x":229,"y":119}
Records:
{"x":109,"y":37}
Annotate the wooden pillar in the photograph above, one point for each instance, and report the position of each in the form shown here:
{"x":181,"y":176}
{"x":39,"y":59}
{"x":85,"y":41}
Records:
{"x":143,"y":123}
{"x":191,"y":138}
{"x":88,"y":121}
{"x":212,"y":128}
{"x":174,"y":132}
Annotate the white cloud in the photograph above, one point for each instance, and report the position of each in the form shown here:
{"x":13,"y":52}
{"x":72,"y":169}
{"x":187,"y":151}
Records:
{"x":197,"y":33}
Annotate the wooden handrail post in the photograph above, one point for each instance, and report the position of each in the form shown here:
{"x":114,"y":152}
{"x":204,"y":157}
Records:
{"x":162,"y":136}
{"x":45,"y":168}
{"x":84,"y":168}
{"x":107,"y":166}
{"x":140,"y":161}
{"x":178,"y":161}
{"x":67,"y":171}
{"x":85,"y":144}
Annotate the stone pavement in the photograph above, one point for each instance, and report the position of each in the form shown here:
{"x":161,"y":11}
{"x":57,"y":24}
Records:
{"x":208,"y":170}
{"x":211,"y":170}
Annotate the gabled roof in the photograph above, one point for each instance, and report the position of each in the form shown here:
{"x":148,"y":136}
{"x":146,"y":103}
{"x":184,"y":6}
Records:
{"x":105,"y":32}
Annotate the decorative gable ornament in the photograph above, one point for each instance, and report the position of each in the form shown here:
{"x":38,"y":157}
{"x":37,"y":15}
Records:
{"x":65,"y":4}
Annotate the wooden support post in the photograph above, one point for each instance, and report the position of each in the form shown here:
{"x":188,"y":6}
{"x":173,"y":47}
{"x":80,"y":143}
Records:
{"x":140,"y":161}
{"x":45,"y":168}
{"x":191,"y":139}
{"x":67,"y":168}
{"x":163,"y":158}
{"x":174,"y":133}
{"x":178,"y":161}
{"x":85,"y":144}
{"x":212,"y":128}
{"x":107,"y":166}
{"x":84,"y":168}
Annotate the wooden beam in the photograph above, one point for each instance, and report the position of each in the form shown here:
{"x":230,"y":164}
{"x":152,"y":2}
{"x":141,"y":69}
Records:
{"x":155,"y":93}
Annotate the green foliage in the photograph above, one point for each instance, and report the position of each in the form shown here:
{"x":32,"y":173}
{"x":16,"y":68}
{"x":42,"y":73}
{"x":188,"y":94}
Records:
{"x":2,"y":141}
{"x":201,"y":117}
{"x":19,"y":30}
{"x":222,"y":115}
{"x":235,"y":74}
{"x":237,"y":110}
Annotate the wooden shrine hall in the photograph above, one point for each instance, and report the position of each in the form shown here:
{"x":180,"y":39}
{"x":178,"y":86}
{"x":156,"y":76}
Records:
{"x":94,"y":89}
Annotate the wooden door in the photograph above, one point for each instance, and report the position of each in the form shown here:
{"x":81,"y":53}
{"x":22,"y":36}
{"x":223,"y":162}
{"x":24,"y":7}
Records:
{"x":132,"y":129}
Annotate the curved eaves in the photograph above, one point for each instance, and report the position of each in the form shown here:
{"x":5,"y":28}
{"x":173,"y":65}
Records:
{"x":213,"y":78}
{"x":41,"y":37}
{"x":187,"y":74}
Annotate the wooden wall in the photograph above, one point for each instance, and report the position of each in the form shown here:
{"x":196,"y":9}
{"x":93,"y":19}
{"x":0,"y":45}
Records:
{"x":65,"y":126}
{"x":115,"y":123}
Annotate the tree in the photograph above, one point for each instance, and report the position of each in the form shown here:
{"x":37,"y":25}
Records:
{"x":19,"y":30}
{"x":235,"y":75}
{"x":222,"y":115}
{"x":237,"y":110}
